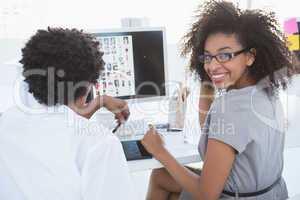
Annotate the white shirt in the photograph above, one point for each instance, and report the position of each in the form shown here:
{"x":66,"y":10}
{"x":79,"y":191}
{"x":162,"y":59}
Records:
{"x":59,"y":155}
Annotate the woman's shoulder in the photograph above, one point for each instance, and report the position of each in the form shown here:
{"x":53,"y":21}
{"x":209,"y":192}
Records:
{"x":245,"y":94}
{"x":241,"y":99}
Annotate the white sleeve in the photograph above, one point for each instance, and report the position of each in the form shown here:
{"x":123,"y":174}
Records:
{"x":105,"y":173}
{"x":8,"y":188}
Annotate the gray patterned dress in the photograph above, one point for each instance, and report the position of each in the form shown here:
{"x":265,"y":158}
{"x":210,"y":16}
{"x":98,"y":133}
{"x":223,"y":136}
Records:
{"x":252,"y":122}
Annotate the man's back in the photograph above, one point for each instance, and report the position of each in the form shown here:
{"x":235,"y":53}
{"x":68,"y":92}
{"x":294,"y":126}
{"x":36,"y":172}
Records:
{"x":60,"y":155}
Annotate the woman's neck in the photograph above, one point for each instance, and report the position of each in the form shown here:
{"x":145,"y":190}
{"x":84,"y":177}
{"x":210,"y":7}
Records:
{"x":243,"y":82}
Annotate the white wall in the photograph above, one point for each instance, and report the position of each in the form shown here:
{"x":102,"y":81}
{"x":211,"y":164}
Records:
{"x":21,"y":18}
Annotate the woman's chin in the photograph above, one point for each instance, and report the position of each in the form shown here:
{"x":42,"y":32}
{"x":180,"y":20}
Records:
{"x":220,"y":85}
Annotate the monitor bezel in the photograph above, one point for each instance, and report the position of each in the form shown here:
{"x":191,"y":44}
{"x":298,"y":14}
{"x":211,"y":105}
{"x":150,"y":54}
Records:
{"x":165,"y":57}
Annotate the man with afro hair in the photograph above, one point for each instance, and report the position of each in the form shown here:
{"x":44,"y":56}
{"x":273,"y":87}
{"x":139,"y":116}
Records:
{"x":58,"y":152}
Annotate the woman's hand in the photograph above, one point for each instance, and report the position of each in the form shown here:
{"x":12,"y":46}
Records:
{"x":153,"y":142}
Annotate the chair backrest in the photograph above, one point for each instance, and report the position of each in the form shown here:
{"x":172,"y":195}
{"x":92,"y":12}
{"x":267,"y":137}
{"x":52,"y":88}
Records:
{"x":291,"y":171}
{"x":296,"y":197}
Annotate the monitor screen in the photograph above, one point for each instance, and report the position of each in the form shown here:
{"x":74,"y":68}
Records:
{"x":135,"y":64}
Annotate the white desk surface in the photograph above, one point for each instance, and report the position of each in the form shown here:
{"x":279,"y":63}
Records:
{"x":184,"y":153}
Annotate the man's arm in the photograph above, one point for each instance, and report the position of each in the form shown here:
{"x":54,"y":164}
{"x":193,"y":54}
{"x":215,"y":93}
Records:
{"x":117,"y":106}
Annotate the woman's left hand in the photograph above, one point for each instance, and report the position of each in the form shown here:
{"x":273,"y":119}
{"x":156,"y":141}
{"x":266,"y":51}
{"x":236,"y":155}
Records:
{"x":153,"y":142}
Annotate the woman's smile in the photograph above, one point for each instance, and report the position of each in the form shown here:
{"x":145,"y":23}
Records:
{"x":218,"y":78}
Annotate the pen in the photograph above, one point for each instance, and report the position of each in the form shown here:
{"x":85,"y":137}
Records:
{"x":116,"y":128}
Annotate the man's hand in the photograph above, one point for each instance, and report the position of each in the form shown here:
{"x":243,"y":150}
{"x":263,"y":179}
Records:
{"x":117,"y":106}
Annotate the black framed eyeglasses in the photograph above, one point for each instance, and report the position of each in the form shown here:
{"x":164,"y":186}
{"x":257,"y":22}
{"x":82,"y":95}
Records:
{"x":220,"y":57}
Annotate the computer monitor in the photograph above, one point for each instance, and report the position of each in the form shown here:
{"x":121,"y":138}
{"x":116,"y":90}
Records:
{"x":135,"y":63}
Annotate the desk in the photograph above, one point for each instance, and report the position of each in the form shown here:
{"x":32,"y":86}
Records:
{"x":184,"y":153}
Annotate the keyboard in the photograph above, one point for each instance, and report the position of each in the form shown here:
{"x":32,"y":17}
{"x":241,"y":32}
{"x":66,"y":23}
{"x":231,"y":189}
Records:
{"x":137,"y":128}
{"x":132,"y":128}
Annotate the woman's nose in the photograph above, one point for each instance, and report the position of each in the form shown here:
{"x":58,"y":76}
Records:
{"x":214,"y":65}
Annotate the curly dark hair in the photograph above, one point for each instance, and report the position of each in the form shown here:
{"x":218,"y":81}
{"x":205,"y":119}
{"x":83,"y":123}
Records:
{"x":58,"y":64}
{"x":254,"y":29}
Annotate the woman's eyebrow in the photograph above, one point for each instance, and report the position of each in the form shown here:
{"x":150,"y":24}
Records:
{"x":220,"y":49}
{"x":224,"y":48}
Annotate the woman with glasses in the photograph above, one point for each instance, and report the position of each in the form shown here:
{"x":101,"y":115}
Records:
{"x":242,"y":139}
